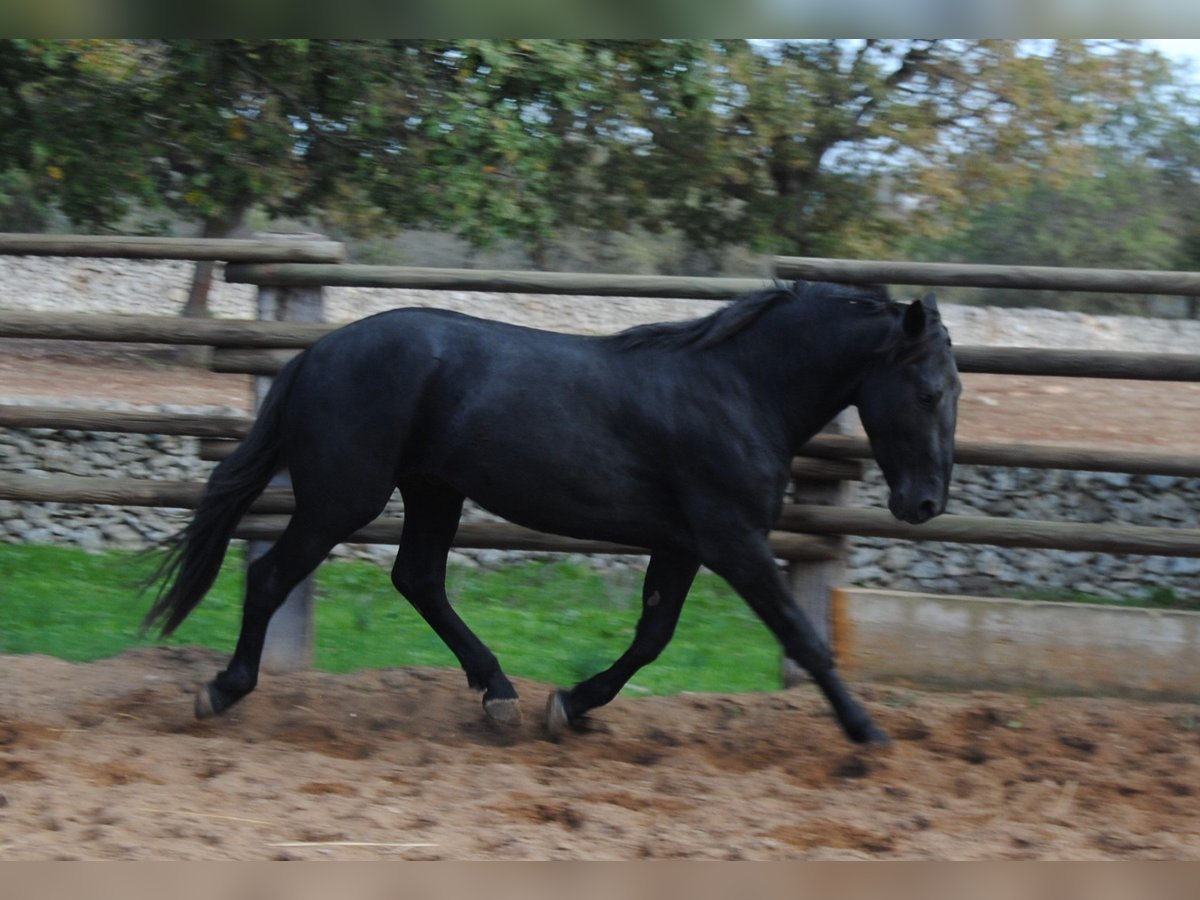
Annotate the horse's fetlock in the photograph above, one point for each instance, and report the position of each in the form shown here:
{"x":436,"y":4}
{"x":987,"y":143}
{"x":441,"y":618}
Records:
{"x":475,"y":683}
{"x":235,"y":686}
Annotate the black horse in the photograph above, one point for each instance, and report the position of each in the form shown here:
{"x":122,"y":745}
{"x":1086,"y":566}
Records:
{"x":676,"y":437}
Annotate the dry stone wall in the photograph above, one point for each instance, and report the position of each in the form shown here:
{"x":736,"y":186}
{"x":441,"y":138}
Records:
{"x":1094,"y":497}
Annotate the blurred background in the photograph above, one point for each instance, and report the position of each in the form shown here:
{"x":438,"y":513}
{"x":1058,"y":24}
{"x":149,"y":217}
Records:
{"x":695,"y":156}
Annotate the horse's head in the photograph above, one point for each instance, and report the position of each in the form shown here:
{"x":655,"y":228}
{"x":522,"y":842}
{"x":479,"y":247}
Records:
{"x":908,"y":403}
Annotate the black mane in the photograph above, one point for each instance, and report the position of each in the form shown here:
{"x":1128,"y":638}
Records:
{"x":720,"y":326}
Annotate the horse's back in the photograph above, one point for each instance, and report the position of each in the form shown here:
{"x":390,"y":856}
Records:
{"x":418,"y":374}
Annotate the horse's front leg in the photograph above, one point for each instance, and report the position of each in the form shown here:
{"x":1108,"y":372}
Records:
{"x":669,"y":576}
{"x":750,"y":568}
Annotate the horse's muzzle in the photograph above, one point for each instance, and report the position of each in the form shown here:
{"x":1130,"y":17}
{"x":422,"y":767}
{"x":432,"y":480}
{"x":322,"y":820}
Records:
{"x":917,"y":510}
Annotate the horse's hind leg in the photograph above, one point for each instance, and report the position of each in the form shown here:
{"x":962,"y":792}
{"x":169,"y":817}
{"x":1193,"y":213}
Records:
{"x":304,"y":544}
{"x":431,"y":514}
{"x":669,"y":577}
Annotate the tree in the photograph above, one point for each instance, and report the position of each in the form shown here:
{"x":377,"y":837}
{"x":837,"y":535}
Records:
{"x":203,"y":129}
{"x":524,"y":138}
{"x":816,"y":147}
{"x":1124,"y":194}
{"x":1176,"y":157}
{"x":228,"y":125}
{"x":1119,"y":216}
{"x":805,"y":147}
{"x":64,"y":141}
{"x":490,"y":139}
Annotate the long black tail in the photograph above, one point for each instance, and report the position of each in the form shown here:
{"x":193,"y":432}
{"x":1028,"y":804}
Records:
{"x":195,"y":553}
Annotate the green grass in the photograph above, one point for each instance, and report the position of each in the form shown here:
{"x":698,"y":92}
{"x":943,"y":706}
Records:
{"x":554,"y":622}
{"x":1160,"y":597}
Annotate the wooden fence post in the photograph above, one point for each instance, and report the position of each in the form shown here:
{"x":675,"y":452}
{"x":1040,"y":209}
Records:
{"x":813,"y":581}
{"x":289,"y":644}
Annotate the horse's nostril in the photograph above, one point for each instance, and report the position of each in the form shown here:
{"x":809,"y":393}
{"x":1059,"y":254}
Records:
{"x":927,"y":509}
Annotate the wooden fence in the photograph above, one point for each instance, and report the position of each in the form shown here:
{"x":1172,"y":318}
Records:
{"x":808,"y":534}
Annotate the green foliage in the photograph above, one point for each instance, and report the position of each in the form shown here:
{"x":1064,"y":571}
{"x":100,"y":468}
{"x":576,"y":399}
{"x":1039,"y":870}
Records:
{"x":557,"y":623}
{"x":825,"y":147}
{"x":1122,"y":215}
{"x":64,"y":113}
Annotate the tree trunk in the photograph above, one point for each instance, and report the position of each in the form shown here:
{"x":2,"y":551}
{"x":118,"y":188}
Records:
{"x":196,"y":306}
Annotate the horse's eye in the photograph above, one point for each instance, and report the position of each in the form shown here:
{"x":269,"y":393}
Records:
{"x":927,"y":399}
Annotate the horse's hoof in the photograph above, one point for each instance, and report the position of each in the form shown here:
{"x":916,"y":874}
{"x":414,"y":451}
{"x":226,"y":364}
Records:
{"x":505,"y":710}
{"x":205,"y":708}
{"x":879,"y":739}
{"x":557,"y":720}
{"x":871,"y":735}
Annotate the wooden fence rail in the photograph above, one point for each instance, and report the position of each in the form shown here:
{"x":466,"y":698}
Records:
{"x":279,"y":502}
{"x":494,"y":281}
{"x":981,"y":360}
{"x":124,"y":422}
{"x":1132,"y":281}
{"x":137,"y":329}
{"x":197,"y":249}
{"x":1142,"y":540}
{"x":1028,"y":456}
{"x":1078,"y":363}
{"x":1050,"y":278}
{"x":506,"y":536}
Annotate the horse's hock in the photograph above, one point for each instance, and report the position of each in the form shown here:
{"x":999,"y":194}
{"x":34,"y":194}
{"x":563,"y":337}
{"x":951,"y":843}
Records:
{"x":1154,"y":504}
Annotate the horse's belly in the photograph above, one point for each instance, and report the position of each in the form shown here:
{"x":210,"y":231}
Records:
{"x":579,"y":503}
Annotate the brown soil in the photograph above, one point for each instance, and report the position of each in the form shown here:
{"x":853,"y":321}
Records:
{"x":104,"y":761}
{"x":64,"y":371}
{"x":1082,"y":412}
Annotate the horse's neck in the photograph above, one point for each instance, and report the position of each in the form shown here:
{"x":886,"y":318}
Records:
{"x":812,"y":365}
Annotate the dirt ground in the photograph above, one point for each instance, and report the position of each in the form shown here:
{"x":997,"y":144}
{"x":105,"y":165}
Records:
{"x":104,"y":761}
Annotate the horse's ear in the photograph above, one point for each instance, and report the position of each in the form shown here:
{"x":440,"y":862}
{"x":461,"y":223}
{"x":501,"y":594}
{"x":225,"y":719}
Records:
{"x":930,"y":300}
{"x":914,"y":319}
